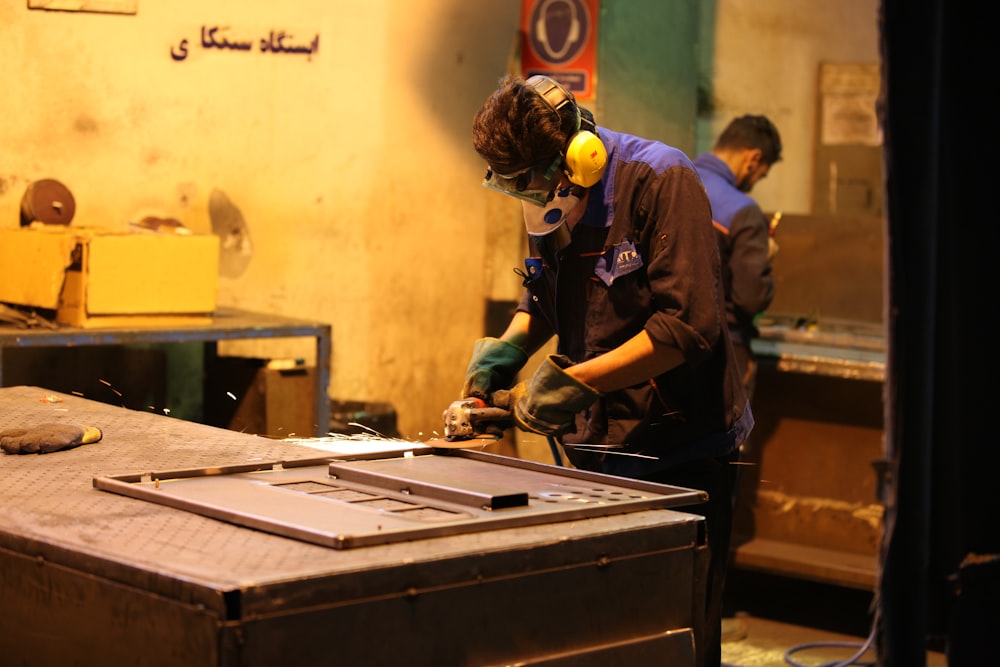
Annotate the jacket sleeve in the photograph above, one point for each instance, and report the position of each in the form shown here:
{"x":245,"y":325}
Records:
{"x":683,"y":266}
{"x":752,"y":288}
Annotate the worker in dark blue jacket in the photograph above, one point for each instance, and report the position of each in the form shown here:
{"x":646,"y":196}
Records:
{"x":625,"y":274}
{"x":743,"y":155}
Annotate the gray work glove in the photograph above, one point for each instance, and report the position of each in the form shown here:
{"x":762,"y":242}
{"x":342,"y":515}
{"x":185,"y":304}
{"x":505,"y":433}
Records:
{"x":549,"y":401}
{"x":46,"y":438}
{"x":494,"y":365}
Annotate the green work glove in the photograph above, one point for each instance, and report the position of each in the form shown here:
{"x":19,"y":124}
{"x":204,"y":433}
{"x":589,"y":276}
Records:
{"x":46,"y":438}
{"x":494,"y":366}
{"x":549,"y":401}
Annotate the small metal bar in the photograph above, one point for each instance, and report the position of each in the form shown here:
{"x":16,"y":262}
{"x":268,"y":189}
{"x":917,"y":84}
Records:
{"x":486,"y":497}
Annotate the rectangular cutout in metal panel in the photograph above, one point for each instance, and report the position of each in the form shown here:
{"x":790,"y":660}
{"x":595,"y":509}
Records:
{"x":419,"y":494}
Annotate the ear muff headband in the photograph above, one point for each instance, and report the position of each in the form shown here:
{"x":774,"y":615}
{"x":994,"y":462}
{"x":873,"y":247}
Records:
{"x":585,"y":156}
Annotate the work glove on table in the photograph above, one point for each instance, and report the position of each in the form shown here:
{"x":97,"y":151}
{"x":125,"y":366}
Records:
{"x":494,"y":365}
{"x":548,"y":402}
{"x":46,"y":438}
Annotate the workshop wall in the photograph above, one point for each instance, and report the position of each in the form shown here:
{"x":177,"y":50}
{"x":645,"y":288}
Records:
{"x":338,"y":168}
{"x":764,"y":56}
{"x":343,"y":181}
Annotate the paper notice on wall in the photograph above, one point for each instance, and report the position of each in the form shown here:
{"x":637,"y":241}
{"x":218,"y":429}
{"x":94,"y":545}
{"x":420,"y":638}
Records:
{"x":848,"y":97}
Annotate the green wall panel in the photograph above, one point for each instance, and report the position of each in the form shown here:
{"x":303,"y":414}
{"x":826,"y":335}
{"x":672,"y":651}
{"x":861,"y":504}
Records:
{"x":648,"y":68}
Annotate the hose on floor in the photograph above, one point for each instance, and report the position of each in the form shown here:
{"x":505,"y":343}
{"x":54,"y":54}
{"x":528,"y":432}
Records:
{"x":854,"y":660}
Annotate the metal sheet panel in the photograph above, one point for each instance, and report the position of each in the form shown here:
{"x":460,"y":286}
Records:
{"x":406,"y":496}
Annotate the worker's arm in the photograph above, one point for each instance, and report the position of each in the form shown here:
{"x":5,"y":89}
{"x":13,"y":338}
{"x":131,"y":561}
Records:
{"x":495,"y":362}
{"x":637,"y":360}
{"x":527,"y":332}
{"x":548,"y":402}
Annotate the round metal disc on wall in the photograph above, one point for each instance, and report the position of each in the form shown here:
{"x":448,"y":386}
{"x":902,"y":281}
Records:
{"x":47,"y":201}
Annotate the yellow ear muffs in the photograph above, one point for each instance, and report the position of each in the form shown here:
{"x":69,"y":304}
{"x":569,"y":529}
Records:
{"x":586,"y":156}
{"x":586,"y":159}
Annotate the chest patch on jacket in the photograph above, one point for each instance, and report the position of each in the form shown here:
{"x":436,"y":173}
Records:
{"x":617,"y":261}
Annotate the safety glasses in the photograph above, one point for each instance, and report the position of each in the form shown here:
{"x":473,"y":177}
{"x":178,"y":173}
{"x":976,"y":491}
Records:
{"x":535,"y":184}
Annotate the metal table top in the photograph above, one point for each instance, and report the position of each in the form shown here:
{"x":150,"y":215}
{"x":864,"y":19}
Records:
{"x":51,"y":510}
{"x":225,"y":324}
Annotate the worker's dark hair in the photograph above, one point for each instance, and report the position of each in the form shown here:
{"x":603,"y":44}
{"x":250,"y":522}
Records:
{"x":751,"y":131}
{"x":516,"y":128}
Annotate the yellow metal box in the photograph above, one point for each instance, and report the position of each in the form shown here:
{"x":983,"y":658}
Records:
{"x":95,"y":277}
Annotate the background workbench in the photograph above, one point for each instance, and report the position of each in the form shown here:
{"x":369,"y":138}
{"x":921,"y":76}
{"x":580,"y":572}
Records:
{"x":225,"y":324}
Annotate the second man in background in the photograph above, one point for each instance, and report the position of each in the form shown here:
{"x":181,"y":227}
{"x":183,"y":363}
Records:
{"x":743,"y":155}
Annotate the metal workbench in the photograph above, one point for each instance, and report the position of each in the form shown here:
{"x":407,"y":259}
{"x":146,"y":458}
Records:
{"x":809,"y":504}
{"x":830,"y":347}
{"x":225,"y":324}
{"x":90,"y":576}
{"x":812,"y":508}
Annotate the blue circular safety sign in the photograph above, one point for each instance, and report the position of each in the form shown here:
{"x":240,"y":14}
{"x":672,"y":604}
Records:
{"x":558,"y":30}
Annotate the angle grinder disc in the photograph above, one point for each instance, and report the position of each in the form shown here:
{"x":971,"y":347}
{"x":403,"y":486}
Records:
{"x":47,"y":201}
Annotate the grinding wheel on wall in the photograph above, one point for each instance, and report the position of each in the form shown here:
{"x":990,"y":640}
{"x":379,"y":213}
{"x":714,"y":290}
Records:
{"x":47,"y":201}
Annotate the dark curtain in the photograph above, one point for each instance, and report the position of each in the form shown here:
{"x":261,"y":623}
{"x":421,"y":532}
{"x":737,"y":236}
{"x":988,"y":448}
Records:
{"x":939,"y":561}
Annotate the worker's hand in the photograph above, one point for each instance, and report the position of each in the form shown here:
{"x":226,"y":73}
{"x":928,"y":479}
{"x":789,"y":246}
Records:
{"x":772,"y":248}
{"x":549,"y":401}
{"x":493,"y":366}
{"x":46,"y":438}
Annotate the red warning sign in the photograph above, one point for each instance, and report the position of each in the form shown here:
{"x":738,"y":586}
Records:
{"x":559,"y":40}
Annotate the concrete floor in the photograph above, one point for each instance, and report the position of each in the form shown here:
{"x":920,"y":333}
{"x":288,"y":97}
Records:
{"x":774,"y":621}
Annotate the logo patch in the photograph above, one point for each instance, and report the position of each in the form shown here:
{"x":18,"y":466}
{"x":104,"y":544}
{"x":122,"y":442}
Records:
{"x":618,"y":261}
